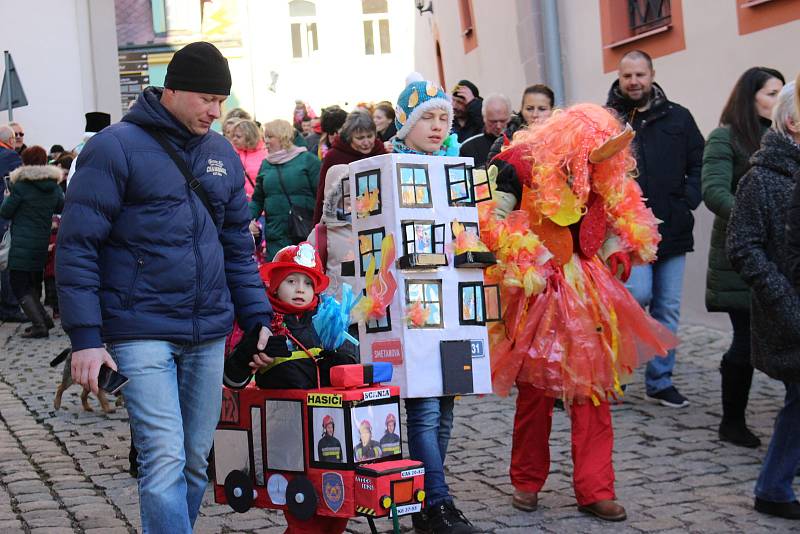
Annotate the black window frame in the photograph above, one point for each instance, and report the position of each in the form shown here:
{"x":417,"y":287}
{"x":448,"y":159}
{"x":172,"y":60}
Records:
{"x":437,"y":245}
{"x":378,"y":328}
{"x":345,"y":185}
{"x":365,"y":256}
{"x":468,"y":181}
{"x":478,"y":290}
{"x":414,"y":185}
{"x":467,"y":226}
{"x":426,"y":281}
{"x":369,"y":173}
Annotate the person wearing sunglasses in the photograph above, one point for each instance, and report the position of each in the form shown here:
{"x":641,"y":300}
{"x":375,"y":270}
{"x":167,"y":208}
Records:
{"x":19,"y":137}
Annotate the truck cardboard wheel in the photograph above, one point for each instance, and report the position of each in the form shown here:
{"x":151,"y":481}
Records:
{"x":301,"y":499}
{"x":239,"y":491}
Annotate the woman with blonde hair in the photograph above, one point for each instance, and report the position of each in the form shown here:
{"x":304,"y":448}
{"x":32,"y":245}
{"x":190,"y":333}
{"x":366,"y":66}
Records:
{"x":246,"y":139}
{"x":286,"y":188}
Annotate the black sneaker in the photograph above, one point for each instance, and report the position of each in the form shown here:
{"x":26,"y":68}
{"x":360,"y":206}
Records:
{"x":787,"y":510}
{"x":669,"y":397}
{"x":445,"y":518}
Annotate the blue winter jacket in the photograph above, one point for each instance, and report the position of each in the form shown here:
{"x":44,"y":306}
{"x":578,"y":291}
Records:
{"x":138,"y":255}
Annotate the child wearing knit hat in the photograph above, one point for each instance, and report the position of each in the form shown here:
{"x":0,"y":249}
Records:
{"x":423,"y":116}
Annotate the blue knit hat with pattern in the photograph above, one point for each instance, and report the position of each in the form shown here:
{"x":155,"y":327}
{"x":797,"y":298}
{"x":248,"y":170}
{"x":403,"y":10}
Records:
{"x":418,"y":97}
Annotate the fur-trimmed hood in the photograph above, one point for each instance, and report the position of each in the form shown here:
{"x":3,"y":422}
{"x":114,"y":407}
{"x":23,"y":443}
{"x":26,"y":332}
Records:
{"x":34,"y":173}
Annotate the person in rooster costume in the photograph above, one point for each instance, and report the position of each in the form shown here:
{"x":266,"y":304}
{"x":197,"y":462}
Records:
{"x":570,"y":329}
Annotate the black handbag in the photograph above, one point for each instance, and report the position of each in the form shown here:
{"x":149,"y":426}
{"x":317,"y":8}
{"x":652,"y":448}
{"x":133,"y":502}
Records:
{"x":301,"y":220}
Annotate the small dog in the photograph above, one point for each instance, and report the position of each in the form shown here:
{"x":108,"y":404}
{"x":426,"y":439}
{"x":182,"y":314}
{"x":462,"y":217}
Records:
{"x":66,"y":381}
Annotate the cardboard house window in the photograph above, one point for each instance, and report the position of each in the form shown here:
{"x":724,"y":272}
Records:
{"x":481,"y":191}
{"x":459,"y":185}
{"x":284,"y":435}
{"x":344,"y":204}
{"x":423,"y":237}
{"x":415,"y":189}
{"x":468,"y":226}
{"x":429,"y":294}
{"x":368,"y":192}
{"x":423,"y":245}
{"x":382,"y":324}
{"x":369,"y":244}
{"x":491,"y":299}
{"x":471,"y":303}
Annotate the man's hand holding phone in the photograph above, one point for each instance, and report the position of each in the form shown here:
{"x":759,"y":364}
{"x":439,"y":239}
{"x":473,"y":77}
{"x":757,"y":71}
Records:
{"x":86,"y":366}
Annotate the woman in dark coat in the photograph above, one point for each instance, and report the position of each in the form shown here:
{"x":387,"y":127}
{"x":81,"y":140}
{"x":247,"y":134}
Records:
{"x":745,"y":118}
{"x":29,"y":204}
{"x":758,"y":252}
{"x":356,"y":140}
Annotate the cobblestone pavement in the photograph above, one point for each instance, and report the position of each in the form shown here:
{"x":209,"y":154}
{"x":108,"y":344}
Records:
{"x":66,"y":470}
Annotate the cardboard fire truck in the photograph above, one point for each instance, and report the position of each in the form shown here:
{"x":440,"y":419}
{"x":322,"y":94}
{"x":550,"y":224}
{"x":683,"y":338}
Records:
{"x":333,"y":451}
{"x":434,"y":329}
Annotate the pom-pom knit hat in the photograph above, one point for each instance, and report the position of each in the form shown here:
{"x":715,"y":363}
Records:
{"x":418,"y":97}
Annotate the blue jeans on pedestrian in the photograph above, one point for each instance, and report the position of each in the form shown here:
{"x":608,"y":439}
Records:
{"x":173,"y":398}
{"x":657,"y":288}
{"x":429,"y":423}
{"x":783,"y":455}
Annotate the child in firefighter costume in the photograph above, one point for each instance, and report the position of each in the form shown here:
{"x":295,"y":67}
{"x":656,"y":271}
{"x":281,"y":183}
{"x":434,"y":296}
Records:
{"x":570,"y":329}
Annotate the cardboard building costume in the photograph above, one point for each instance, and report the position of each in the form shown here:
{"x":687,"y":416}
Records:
{"x":420,"y":262}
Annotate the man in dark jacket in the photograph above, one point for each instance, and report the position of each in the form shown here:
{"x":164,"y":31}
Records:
{"x":147,"y":268}
{"x":9,"y":160}
{"x":467,"y":108}
{"x":496,"y":114}
{"x":669,"y":157}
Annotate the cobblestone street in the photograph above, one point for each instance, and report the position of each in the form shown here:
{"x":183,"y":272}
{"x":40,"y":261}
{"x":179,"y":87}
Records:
{"x":66,"y":470}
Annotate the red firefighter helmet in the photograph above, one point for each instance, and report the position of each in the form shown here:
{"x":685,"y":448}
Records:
{"x":295,"y":258}
{"x":390,"y":418}
{"x":366,"y":424}
{"x":327,"y":420}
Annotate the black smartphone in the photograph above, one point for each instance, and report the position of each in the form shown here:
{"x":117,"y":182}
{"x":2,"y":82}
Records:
{"x":110,"y":381}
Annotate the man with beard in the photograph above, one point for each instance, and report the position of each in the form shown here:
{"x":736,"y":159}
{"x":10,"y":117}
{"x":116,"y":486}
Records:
{"x":669,"y":154}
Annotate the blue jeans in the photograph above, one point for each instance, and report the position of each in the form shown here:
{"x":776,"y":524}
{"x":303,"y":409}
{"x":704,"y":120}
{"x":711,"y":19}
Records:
{"x":657,"y":288}
{"x":783,"y":456}
{"x":428,"y":426}
{"x":173,"y":399}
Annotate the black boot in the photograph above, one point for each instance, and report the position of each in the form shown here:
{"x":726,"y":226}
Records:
{"x":48,"y":321}
{"x":34,"y":311}
{"x":736,"y":380}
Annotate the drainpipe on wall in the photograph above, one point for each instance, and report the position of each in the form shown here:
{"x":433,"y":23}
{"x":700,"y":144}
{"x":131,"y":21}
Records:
{"x":551,"y":37}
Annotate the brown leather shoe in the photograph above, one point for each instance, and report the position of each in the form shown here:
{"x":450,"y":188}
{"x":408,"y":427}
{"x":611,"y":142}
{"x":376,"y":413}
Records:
{"x":607,"y":510}
{"x":525,"y":500}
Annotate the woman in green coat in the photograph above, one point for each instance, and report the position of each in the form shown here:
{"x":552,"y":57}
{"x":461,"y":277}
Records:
{"x":29,"y":204}
{"x":288,"y":177}
{"x":744,"y":120}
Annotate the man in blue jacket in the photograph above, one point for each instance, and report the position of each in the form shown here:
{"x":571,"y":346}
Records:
{"x":9,"y":160}
{"x":669,"y":158}
{"x":145,"y":269}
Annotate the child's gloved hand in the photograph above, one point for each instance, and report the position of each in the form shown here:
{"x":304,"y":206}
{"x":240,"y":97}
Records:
{"x":276,"y":348}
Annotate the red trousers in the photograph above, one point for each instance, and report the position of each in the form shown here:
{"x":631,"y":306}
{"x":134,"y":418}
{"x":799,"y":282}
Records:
{"x":592,"y":445}
{"x":318,"y":524}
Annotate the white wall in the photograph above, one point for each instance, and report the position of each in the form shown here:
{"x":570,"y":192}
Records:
{"x":699,"y":78}
{"x":507,"y":58}
{"x":65,"y":54}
